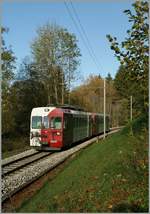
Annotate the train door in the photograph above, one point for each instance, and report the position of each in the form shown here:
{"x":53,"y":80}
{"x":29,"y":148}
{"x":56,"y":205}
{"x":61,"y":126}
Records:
{"x":90,"y":125}
{"x":45,"y":132}
{"x":93,"y":125}
{"x":68,"y":129}
{"x":56,"y":128}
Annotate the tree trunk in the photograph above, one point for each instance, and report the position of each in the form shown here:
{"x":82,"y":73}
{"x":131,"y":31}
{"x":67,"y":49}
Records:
{"x":49,"y":96}
{"x":62,"y":93}
{"x":55,"y":85}
{"x":56,"y":93}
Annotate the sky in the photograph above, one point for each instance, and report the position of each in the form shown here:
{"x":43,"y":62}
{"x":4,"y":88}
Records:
{"x":98,"y":19}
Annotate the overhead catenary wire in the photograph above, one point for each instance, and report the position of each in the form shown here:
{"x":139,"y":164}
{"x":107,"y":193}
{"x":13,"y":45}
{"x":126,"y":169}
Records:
{"x":84,"y":32}
{"x":88,"y":46}
{"x":82,"y":37}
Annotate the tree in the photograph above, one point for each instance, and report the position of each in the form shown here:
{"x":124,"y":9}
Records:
{"x":55,"y":54}
{"x":8,"y":66}
{"x":109,"y":78}
{"x":25,"y":95}
{"x":121,"y":82}
{"x":8,"y":61}
{"x":90,"y":94}
{"x":133,"y":56}
{"x":27,"y":70}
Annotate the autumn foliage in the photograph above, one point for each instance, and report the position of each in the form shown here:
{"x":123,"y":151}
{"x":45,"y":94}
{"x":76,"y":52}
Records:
{"x":90,"y":96}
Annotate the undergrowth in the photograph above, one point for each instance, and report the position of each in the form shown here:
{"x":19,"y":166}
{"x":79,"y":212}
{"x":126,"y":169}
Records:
{"x":14,"y":145}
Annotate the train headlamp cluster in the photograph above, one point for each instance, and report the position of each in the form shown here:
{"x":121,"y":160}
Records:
{"x":35,"y":134}
{"x":58,"y":133}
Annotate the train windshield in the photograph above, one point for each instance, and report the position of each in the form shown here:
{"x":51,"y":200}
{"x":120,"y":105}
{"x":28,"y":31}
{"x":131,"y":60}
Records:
{"x":45,"y":122}
{"x":56,"y":122}
{"x":36,"y":122}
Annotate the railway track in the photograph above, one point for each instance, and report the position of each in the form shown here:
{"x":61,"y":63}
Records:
{"x":23,"y":171}
{"x":14,"y":165}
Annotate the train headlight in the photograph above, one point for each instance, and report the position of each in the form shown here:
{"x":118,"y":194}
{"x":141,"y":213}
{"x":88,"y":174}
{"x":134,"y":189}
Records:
{"x":58,"y":133}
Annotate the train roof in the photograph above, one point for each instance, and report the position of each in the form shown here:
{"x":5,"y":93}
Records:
{"x":100,"y":114}
{"x":67,"y":106}
{"x":42,"y":110}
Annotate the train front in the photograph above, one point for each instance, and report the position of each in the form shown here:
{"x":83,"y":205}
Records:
{"x":46,"y":128}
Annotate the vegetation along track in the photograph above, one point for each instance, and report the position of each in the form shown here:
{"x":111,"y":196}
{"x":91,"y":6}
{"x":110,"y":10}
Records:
{"x":15,"y":181}
{"x":14,"y":165}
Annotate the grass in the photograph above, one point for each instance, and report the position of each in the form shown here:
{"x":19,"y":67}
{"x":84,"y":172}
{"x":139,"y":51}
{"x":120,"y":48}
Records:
{"x":109,"y":176}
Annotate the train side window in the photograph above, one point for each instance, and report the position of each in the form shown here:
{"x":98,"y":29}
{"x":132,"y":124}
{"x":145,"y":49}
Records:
{"x":65,"y":123}
{"x":76,"y":122}
{"x":82,"y":121}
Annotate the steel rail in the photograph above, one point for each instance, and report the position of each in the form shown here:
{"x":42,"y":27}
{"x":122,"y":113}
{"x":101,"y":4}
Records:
{"x":19,"y":156}
{"x":24,"y":161}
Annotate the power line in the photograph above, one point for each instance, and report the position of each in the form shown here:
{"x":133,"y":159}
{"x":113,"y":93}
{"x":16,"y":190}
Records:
{"x":69,"y":12}
{"x":87,"y":39}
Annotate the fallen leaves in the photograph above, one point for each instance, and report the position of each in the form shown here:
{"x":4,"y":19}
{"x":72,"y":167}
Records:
{"x":95,"y":177}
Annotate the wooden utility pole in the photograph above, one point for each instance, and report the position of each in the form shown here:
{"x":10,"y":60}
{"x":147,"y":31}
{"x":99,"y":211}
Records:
{"x":131,"y":115}
{"x":131,"y":108}
{"x":104,"y":108}
{"x":69,"y":83}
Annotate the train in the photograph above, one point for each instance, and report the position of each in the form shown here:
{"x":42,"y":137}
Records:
{"x":57,"y":127}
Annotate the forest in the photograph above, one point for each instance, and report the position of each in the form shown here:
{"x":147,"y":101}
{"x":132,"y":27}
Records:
{"x":48,"y":75}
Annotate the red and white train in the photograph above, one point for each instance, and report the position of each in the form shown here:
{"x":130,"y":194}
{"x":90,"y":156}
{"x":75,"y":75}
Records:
{"x":53,"y":128}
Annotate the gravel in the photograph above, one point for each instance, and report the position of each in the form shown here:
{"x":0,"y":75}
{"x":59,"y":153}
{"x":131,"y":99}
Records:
{"x":13,"y":182}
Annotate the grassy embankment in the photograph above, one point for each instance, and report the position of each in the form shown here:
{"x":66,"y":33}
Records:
{"x":110,"y":176}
